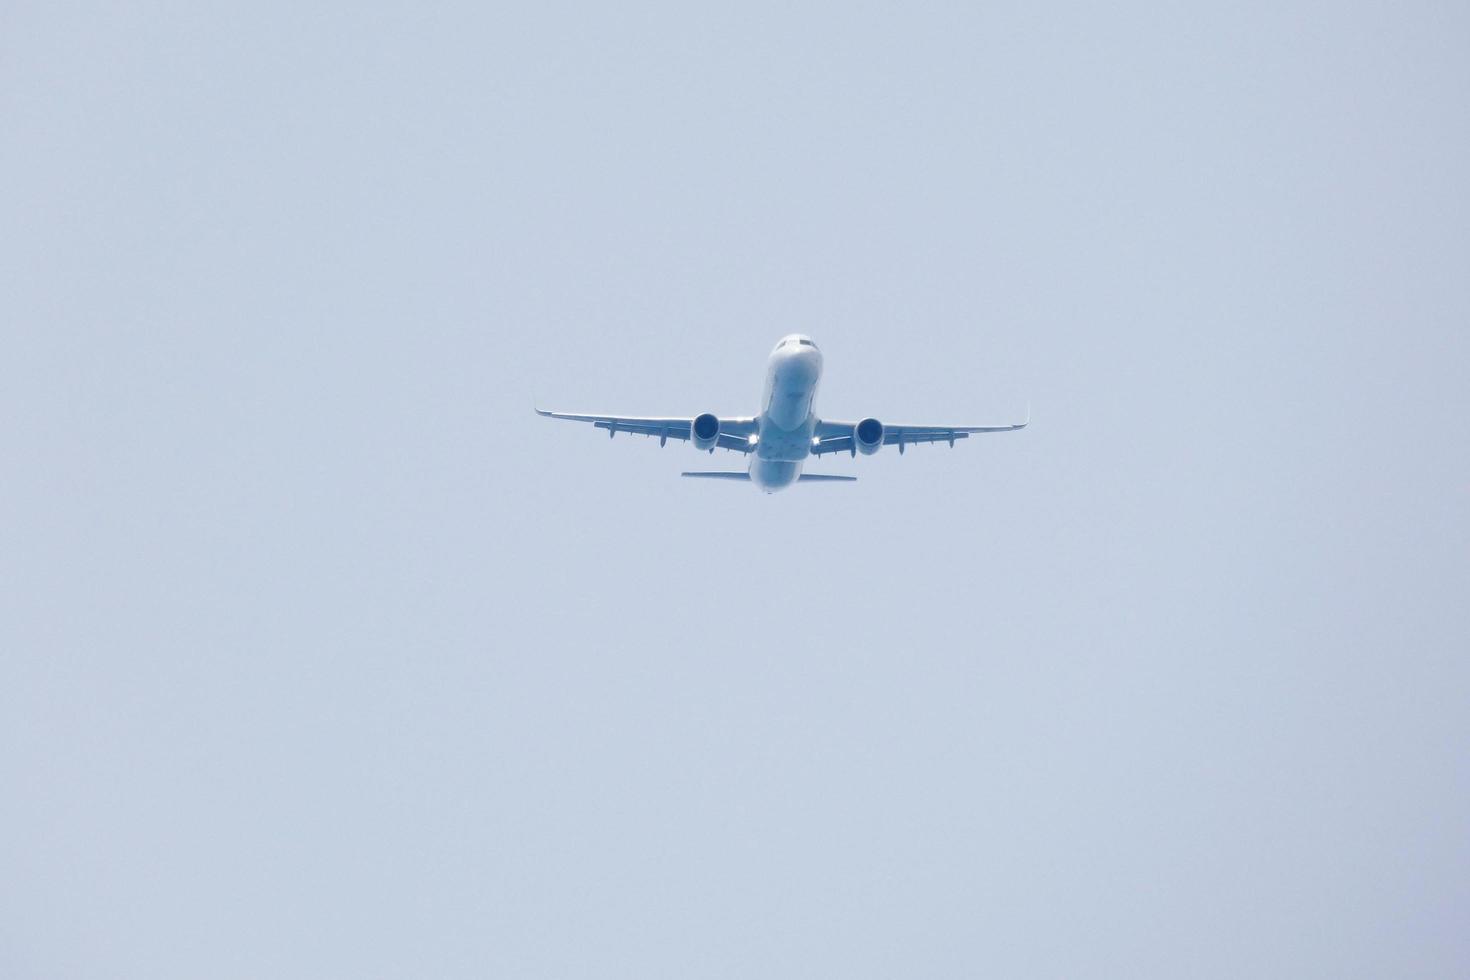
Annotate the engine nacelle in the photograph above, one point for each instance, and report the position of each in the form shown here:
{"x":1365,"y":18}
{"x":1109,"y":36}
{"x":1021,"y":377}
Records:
{"x":704,"y":431}
{"x":867,"y":436}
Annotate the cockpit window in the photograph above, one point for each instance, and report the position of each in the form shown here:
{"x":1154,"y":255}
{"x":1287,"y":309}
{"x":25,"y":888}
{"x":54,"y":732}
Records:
{"x":806,"y":342}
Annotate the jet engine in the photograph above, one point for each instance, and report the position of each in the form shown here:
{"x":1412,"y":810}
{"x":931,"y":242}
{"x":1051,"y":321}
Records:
{"x":704,"y":431}
{"x":867,"y":436}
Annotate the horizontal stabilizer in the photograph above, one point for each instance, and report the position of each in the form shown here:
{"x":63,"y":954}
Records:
{"x":825,"y":478}
{"x":718,"y":475}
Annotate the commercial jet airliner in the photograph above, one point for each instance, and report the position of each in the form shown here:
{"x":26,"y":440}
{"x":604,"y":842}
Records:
{"x":786,"y":433}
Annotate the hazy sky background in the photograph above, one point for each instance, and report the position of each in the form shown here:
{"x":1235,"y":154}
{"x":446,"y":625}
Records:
{"x":320,"y":655}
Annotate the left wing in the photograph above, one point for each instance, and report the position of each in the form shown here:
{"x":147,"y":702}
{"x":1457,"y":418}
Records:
{"x":836,"y":437}
{"x":734,"y":432}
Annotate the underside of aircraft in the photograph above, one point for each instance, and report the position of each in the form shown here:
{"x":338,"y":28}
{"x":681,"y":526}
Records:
{"x":779,"y":441}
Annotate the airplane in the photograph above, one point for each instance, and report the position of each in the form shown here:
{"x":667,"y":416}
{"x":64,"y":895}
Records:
{"x":787,"y":432}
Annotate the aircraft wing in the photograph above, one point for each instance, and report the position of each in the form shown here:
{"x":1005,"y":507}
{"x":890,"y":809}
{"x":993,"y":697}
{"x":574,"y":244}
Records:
{"x":836,"y":437}
{"x":734,"y":432}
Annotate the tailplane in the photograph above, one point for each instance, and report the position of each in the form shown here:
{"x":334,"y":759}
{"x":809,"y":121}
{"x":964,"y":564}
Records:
{"x":804,"y":478}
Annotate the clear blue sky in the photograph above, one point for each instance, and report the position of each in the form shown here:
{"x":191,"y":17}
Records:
{"x":320,"y":655}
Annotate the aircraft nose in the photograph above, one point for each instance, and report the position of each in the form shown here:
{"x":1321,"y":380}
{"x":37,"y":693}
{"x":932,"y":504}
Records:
{"x":795,"y":342}
{"x":800,"y":363}
{"x":799,"y":353}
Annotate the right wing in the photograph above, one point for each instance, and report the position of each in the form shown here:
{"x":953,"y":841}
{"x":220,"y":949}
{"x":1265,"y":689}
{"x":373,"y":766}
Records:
{"x":836,"y":437}
{"x":734,"y":435}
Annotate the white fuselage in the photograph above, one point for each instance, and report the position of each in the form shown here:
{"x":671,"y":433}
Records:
{"x":787,"y":421}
